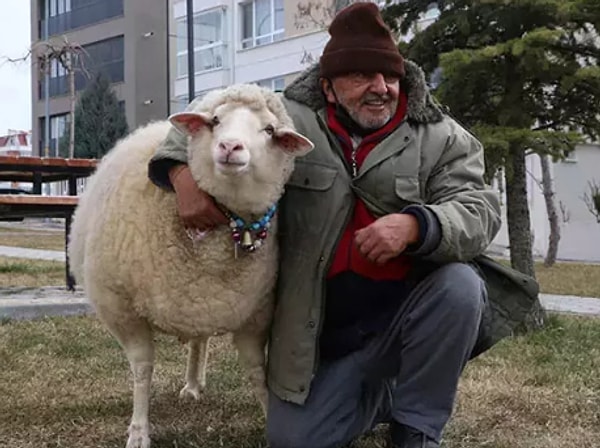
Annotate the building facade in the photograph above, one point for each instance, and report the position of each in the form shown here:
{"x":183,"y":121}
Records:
{"x":126,"y":40}
{"x":242,"y":41}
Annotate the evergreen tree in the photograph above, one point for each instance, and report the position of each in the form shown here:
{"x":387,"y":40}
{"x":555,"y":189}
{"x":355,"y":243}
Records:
{"x":523,"y":75}
{"x":99,"y":120}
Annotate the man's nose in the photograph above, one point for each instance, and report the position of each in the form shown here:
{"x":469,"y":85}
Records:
{"x":378,"y":84}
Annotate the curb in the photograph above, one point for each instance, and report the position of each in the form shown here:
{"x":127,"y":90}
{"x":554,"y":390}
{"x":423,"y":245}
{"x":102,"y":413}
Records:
{"x":32,"y":303}
{"x":40,"y":308}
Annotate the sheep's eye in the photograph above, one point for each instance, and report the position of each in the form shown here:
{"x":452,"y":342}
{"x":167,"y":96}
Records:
{"x":269,"y":129}
{"x":215,"y":121}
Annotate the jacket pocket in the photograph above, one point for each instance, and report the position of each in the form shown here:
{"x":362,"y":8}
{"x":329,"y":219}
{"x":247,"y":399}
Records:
{"x":312,"y":176}
{"x":408,"y":189}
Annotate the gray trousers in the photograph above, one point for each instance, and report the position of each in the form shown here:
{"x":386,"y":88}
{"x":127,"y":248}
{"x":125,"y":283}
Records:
{"x":409,"y":374}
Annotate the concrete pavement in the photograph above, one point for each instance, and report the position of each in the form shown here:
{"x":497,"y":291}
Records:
{"x":30,"y":303}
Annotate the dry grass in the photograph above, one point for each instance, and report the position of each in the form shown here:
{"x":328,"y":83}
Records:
{"x":570,"y":278}
{"x":32,"y":239}
{"x":24,"y":272}
{"x":65,"y":383}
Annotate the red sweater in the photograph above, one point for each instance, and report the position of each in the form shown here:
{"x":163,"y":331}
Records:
{"x":347,"y":256}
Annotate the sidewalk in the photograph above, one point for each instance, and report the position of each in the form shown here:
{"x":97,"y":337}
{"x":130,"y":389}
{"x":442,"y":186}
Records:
{"x":30,"y":303}
{"x":34,"y":254}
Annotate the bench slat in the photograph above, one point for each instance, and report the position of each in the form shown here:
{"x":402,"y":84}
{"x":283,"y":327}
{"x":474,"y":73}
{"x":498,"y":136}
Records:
{"x":35,"y":199}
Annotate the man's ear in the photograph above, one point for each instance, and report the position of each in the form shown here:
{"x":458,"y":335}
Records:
{"x":190,"y":123}
{"x":327,"y":89}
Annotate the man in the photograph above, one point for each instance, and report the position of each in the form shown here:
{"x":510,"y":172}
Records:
{"x":379,"y":301}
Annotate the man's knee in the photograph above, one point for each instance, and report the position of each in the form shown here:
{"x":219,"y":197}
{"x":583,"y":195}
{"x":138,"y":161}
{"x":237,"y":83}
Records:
{"x":463,"y":289}
{"x":291,"y":434}
{"x":290,"y":426}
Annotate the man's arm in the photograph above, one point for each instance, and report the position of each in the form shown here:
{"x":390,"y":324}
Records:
{"x":168,"y":169}
{"x":171,"y":153}
{"x":467,"y":210}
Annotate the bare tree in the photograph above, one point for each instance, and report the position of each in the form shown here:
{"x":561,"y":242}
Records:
{"x":592,"y":199}
{"x":549,"y":198}
{"x":564,"y":212}
{"x":67,"y":54}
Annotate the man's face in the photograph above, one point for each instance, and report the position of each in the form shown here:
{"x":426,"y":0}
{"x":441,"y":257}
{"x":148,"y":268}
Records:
{"x":371,"y":99}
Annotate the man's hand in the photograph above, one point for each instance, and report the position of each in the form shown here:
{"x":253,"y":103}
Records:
{"x":387,"y":237}
{"x":196,"y":208}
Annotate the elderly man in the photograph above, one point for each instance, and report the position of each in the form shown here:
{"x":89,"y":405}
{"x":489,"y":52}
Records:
{"x":380,"y":302}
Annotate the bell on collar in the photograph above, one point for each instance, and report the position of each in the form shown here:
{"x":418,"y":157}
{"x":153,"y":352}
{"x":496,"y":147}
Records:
{"x":246,"y":239}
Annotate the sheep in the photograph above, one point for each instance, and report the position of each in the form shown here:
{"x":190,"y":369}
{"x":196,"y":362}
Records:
{"x":142,"y":270}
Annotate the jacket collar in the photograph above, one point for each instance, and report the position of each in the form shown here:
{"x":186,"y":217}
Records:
{"x":422,"y":107}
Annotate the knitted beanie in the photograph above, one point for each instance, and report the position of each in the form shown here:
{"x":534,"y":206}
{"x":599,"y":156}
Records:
{"x":360,"y":42}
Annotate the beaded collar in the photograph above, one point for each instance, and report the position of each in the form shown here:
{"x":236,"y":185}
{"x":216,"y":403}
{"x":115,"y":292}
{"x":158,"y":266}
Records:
{"x":249,"y":236}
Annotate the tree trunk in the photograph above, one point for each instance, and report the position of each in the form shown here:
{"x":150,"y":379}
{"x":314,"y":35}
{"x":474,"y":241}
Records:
{"x":548,"y":189}
{"x":519,"y":229}
{"x":72,"y":108}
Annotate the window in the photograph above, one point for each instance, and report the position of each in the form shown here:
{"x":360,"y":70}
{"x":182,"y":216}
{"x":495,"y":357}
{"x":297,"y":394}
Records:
{"x":106,"y":57}
{"x":262,"y":22}
{"x":209,"y":42}
{"x":66,"y":15}
{"x":275,"y":84}
{"x":59,"y":134}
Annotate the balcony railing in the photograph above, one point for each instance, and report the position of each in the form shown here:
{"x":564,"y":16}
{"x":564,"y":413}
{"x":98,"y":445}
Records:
{"x":82,"y":16}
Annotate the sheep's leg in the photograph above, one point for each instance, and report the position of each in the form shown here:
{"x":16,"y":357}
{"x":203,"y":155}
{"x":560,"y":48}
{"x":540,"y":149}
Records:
{"x":251,"y":350}
{"x":195,"y":375}
{"x":135,"y":337}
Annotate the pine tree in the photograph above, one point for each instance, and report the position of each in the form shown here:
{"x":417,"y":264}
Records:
{"x":523,"y":75}
{"x":99,"y":120}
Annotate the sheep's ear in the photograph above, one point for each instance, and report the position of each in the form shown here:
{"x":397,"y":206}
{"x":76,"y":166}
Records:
{"x":190,"y":123}
{"x":293,"y":143}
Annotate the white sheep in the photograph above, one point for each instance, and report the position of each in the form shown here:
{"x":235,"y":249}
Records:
{"x":141,"y":270}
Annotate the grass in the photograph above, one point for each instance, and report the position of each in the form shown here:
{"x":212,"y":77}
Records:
{"x":65,"y":383}
{"x":32,"y":239}
{"x":570,"y":278}
{"x":24,"y":272}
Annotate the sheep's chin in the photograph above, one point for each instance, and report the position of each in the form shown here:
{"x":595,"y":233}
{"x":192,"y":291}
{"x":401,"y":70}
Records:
{"x":231,"y":169}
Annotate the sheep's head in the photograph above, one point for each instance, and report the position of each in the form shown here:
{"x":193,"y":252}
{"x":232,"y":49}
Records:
{"x":244,"y":143}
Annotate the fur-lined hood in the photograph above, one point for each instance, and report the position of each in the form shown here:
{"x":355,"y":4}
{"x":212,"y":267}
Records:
{"x":422,"y":107}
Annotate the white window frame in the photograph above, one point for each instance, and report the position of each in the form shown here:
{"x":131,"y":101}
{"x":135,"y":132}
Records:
{"x":274,"y":35}
{"x":271,"y":83}
{"x":198,"y":48}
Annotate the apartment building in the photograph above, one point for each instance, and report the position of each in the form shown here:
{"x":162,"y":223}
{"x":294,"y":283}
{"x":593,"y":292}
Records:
{"x":126,"y":40}
{"x":254,"y":41}
{"x":268,"y":42}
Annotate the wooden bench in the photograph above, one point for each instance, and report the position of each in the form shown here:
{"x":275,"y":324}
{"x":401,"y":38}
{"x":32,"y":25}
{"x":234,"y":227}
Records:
{"x":38,"y":206}
{"x":39,"y":170}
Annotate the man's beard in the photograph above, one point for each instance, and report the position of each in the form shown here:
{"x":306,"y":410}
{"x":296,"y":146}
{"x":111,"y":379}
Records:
{"x":370,"y":122}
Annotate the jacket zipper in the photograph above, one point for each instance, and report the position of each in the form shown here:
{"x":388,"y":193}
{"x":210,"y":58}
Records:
{"x":330,"y":256}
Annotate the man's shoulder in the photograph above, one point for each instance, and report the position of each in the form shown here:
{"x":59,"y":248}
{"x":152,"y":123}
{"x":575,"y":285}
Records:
{"x":448,"y":128}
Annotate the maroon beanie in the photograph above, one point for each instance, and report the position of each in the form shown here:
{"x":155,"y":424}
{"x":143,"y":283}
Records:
{"x":360,"y":42}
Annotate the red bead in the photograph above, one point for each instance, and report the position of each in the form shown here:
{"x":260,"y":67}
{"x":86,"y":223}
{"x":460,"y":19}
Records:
{"x":262,"y":234}
{"x":236,"y":236}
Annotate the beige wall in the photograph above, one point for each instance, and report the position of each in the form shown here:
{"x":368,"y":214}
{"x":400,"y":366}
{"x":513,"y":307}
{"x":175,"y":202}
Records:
{"x":295,"y":25}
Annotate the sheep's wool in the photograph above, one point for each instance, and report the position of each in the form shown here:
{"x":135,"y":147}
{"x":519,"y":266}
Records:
{"x":129,"y":247}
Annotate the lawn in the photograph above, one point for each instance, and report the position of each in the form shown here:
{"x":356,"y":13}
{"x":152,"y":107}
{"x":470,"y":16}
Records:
{"x":564,"y":278}
{"x":24,"y":272}
{"x":65,"y":383}
{"x":32,"y":239}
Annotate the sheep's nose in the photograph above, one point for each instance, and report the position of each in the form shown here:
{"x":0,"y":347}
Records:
{"x":230,"y":146}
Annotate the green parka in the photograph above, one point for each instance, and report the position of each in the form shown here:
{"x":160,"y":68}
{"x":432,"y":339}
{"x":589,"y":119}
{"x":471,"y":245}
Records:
{"x":429,"y":161}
